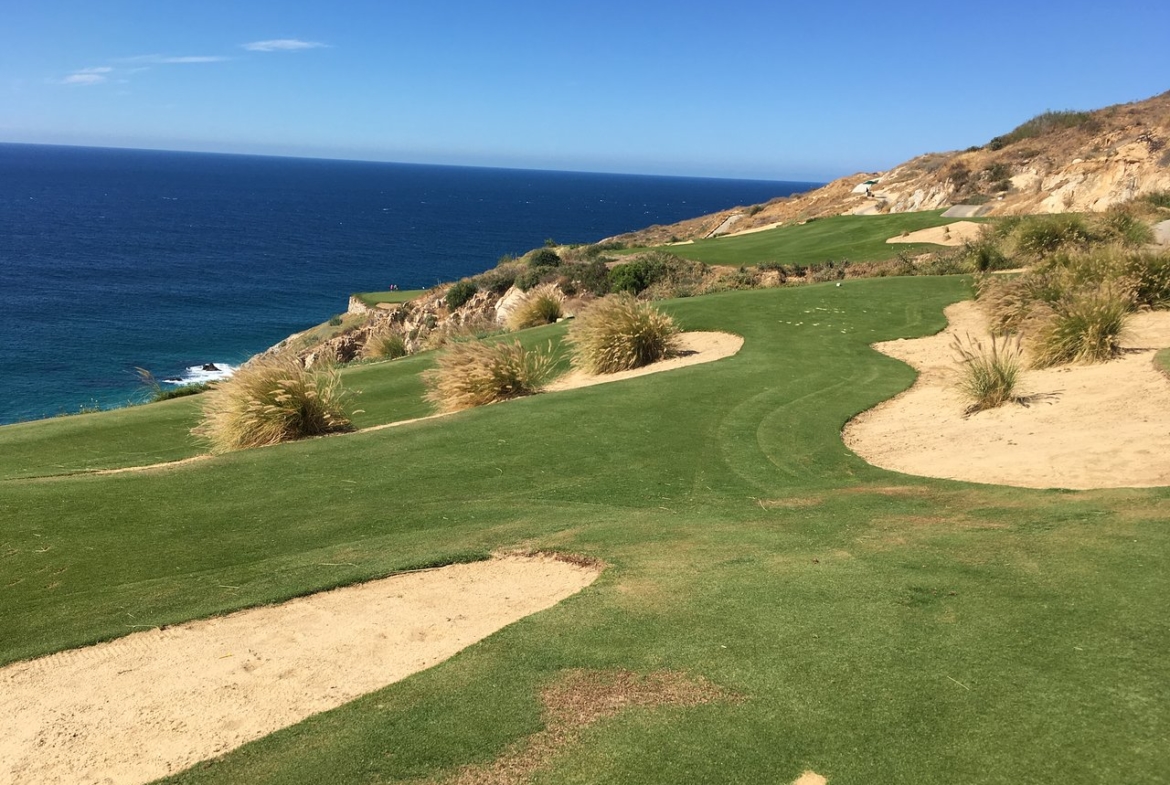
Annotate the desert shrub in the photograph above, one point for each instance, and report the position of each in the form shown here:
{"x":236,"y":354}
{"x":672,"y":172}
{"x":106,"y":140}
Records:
{"x":496,"y":281}
{"x":959,"y":174}
{"x":544,"y":257}
{"x":1042,"y":235}
{"x":827,"y":271}
{"x":1043,"y":124}
{"x":478,"y":373}
{"x":388,"y":343}
{"x":1084,"y":326}
{"x":335,"y":320}
{"x":1147,"y":276}
{"x":1010,"y":302}
{"x":1158,"y":198}
{"x":459,"y":293}
{"x":985,"y":254}
{"x":270,"y":400}
{"x":542,"y":305}
{"x":592,"y":277}
{"x":998,"y":171}
{"x":633,"y":277}
{"x":1123,"y":226}
{"x":472,"y":329}
{"x":618,"y":333}
{"x":531,"y":277}
{"x":989,"y":374}
{"x":943,"y":264}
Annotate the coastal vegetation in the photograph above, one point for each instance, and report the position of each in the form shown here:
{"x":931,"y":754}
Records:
{"x":542,"y":305}
{"x":989,"y":375}
{"x":620,"y":333}
{"x":476,"y":373}
{"x":270,"y":400}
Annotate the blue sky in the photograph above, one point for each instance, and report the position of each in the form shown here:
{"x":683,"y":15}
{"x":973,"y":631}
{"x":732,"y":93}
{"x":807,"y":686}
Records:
{"x":772,"y":90}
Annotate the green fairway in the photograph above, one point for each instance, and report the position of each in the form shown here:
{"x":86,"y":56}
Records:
{"x":871,"y":626}
{"x":858,"y":238}
{"x":373,"y":299}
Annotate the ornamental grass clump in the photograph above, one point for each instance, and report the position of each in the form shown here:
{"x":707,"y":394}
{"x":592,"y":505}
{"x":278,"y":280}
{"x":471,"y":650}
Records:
{"x":270,"y":400}
{"x":541,"y":305}
{"x":1084,"y":327}
{"x":478,"y":373}
{"x":989,"y":374}
{"x":386,"y":344}
{"x":619,"y":332}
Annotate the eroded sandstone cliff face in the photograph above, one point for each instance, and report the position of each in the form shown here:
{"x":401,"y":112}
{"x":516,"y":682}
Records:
{"x":1080,"y":162}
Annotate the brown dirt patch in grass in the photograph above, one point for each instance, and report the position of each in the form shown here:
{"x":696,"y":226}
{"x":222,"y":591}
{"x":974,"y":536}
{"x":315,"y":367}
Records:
{"x":577,"y":699}
{"x":888,"y":490}
{"x":793,"y":503}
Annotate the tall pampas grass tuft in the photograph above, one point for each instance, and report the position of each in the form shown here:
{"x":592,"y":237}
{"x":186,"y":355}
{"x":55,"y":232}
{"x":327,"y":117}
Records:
{"x":270,"y":400}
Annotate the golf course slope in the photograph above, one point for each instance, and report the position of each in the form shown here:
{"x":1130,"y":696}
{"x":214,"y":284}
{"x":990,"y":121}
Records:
{"x":773,"y":607}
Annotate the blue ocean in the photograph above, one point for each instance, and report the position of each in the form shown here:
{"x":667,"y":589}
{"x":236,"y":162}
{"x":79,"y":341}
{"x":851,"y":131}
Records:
{"x":112,"y":260}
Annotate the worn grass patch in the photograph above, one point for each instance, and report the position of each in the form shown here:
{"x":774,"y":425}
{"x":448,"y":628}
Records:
{"x":577,"y":699}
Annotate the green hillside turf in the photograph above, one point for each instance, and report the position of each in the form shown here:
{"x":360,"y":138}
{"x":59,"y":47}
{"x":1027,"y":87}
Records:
{"x":857,"y":238}
{"x":872,"y":626}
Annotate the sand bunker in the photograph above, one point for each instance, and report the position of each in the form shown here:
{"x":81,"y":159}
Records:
{"x":153,"y":703}
{"x":1091,"y":426}
{"x":952,"y":234}
{"x":694,"y":348}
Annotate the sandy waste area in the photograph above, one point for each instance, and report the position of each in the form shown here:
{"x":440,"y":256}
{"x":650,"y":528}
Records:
{"x":152,"y":703}
{"x":1087,"y":426}
{"x":952,"y":234}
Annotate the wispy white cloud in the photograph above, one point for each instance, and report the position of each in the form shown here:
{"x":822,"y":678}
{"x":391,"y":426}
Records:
{"x":88,"y":76}
{"x":83,"y":79}
{"x":282,"y":45}
{"x":126,"y":66}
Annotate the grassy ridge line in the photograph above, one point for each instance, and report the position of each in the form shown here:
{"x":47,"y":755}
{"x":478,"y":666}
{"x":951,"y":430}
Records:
{"x":160,"y":432}
{"x":852,"y":237}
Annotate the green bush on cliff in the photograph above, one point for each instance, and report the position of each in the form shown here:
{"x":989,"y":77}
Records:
{"x":459,"y":293}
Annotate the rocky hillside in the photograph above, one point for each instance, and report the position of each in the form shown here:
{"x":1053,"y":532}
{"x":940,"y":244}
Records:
{"x":1056,"y":162}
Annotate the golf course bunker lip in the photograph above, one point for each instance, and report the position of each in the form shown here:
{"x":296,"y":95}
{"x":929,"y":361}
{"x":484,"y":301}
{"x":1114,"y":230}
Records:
{"x":1089,"y":426}
{"x":156,"y":702}
{"x":695,"y":348}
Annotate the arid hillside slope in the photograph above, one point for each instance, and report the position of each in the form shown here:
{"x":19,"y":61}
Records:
{"x":1056,"y":162}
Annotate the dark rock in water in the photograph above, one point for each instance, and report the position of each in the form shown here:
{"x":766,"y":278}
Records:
{"x":210,"y":367}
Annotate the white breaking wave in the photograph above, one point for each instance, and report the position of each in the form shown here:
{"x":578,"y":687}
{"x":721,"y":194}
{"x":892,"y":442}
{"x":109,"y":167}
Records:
{"x":197,"y":374}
